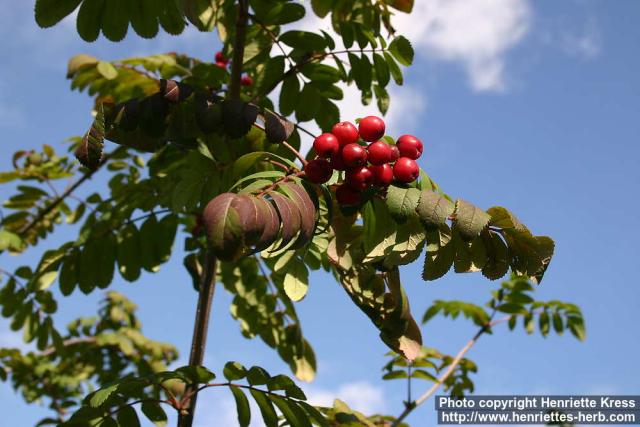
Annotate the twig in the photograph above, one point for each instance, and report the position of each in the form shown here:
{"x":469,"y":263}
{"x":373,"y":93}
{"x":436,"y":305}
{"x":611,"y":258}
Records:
{"x":200,"y":329}
{"x":410,"y":406}
{"x":238,"y":49}
{"x":43,"y":213}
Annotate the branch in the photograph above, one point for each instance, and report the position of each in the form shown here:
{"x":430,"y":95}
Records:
{"x":68,"y":343}
{"x":46,"y":211}
{"x":238,"y":49}
{"x":410,"y":406}
{"x":200,"y":328}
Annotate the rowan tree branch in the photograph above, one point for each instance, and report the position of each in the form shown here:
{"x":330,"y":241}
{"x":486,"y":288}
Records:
{"x":410,"y":406}
{"x":238,"y":49}
{"x":47,"y":210}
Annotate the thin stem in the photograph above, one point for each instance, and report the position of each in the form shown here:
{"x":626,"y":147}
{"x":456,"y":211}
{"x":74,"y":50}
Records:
{"x":296,"y":152}
{"x":272,"y":36}
{"x":450,"y":369}
{"x":200,"y":328}
{"x":46,"y":211}
{"x":238,"y":49}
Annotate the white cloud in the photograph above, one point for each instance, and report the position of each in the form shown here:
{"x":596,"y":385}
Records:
{"x":475,"y":33}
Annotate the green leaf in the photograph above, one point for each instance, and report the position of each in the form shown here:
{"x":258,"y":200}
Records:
{"x":9,"y":240}
{"x":511,"y":308}
{"x":270,"y":74}
{"x":498,"y":258}
{"x":257,"y":376}
{"x":401,"y":50}
{"x":321,"y":7}
{"x":382,"y":98}
{"x":470,"y":220}
{"x":269,"y":415}
{"x":402,"y":202}
{"x":291,"y":412}
{"x":50,"y":12}
{"x":382,"y":70}
{"x":107,"y":70}
{"x":242,"y":406}
{"x":234,"y":371}
{"x":308,"y":103}
{"x":144,"y":17}
{"x":128,"y":417}
{"x":115,"y":19}
{"x":289,"y":94}
{"x":440,"y":253}
{"x":196,"y":374}
{"x":128,"y":253}
{"x":576,"y":326}
{"x":296,"y":280}
{"x":434,"y":209}
{"x":172,"y":18}
{"x":154,"y":412}
{"x":102,"y":395}
{"x":558,"y":323}
{"x":303,"y":40}
{"x":395,"y":71}
{"x":88,"y":20}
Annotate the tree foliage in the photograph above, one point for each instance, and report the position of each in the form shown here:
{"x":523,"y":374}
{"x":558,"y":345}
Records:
{"x":192,"y":154}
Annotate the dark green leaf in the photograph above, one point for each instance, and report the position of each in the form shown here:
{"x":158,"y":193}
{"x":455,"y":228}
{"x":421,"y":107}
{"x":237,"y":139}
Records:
{"x":88,"y":20}
{"x":401,"y":50}
{"x":154,"y":412}
{"x":50,"y":12}
{"x":303,"y":40}
{"x":242,"y":406}
{"x":269,"y":415}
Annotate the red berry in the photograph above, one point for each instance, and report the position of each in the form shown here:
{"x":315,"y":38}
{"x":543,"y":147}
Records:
{"x":382,"y":174}
{"x":326,"y":145}
{"x":337,"y":163}
{"x":222,"y":65}
{"x":318,"y":171}
{"x":409,"y":146}
{"x":406,"y":170}
{"x":371,"y":128}
{"x":359,"y":178}
{"x":346,"y":133}
{"x":347,"y":196}
{"x":379,"y":153}
{"x":221,"y":58}
{"x":246,"y":81}
{"x":395,"y":153}
{"x":354,"y":155}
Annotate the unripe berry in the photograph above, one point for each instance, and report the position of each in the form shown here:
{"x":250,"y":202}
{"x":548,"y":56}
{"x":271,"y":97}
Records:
{"x":346,"y":133}
{"x":347,"y":196}
{"x":246,"y":81}
{"x":337,"y":163}
{"x":359,"y":178}
{"x":221,"y":58}
{"x":382,"y":174}
{"x":406,"y":170}
{"x":318,"y":171}
{"x":409,"y":146}
{"x":371,"y":128}
{"x":379,"y":153}
{"x":354,"y":155}
{"x":326,"y":145}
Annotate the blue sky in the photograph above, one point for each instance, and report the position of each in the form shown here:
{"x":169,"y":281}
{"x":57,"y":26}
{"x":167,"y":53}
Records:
{"x":530,"y":105}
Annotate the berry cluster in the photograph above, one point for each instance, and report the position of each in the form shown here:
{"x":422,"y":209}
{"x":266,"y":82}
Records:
{"x":223,"y":62}
{"x":375,"y":165}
